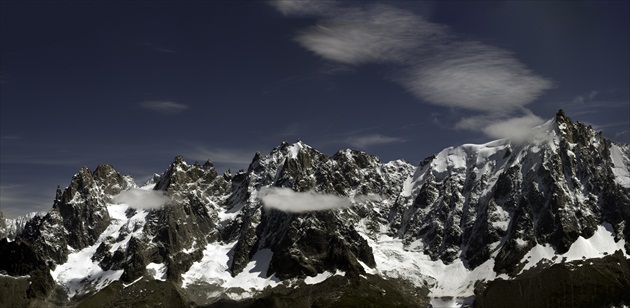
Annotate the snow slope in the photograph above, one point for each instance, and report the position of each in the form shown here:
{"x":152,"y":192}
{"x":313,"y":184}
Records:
{"x":621,"y":167}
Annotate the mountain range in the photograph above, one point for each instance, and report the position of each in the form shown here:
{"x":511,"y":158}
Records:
{"x":534,"y":222}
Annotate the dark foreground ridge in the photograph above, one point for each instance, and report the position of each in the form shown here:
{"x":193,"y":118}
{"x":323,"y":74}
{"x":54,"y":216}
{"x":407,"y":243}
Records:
{"x":601,"y":282}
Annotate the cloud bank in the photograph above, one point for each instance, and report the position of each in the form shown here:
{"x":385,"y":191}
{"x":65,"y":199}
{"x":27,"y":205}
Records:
{"x":164,"y":106}
{"x":142,"y":199}
{"x":426,"y":59}
{"x":287,"y":200}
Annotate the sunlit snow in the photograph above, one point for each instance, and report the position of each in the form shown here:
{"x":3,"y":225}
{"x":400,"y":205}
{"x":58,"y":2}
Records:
{"x":213,"y":269}
{"x":80,"y":273}
{"x":321,"y":277}
{"x":444,"y":280}
{"x":157,"y":270}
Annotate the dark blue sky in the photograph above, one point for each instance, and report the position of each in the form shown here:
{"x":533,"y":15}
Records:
{"x":135,"y":83}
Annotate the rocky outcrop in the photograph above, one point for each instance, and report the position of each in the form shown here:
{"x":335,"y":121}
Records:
{"x":311,"y":243}
{"x":82,"y":206}
{"x":78,"y":217}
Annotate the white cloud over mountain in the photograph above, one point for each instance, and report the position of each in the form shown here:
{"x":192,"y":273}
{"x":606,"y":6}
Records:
{"x":495,"y":126}
{"x":287,"y":200}
{"x":373,"y":139}
{"x":142,"y":199}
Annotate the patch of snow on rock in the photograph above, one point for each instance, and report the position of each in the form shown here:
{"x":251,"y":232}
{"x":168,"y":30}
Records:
{"x":322,"y":277}
{"x":157,"y":271}
{"x":597,"y":246}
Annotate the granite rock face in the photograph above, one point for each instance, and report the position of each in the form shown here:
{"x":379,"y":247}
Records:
{"x":305,"y":244}
{"x":503,"y":198}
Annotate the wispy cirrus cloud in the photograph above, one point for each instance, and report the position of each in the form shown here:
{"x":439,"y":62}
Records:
{"x":372,"y":140}
{"x":585,"y":97}
{"x":605,"y":110}
{"x":624,"y":124}
{"x":595,"y":101}
{"x":623,"y":136}
{"x":427,"y":59}
{"x":168,"y":107}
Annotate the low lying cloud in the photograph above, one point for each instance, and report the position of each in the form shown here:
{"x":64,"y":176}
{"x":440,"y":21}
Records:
{"x":370,"y":140}
{"x":287,"y":200}
{"x":368,"y":198}
{"x":164,"y":106}
{"x":142,"y":199}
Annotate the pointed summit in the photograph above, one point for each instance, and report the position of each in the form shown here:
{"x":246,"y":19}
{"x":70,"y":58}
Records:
{"x":560,"y":113}
{"x":179,"y":173}
{"x":562,"y":118}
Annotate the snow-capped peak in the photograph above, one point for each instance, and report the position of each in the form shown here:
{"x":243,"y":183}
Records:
{"x":468,"y":213}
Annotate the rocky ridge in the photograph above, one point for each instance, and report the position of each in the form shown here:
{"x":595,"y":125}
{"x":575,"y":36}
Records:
{"x":477,"y":209}
{"x":502,"y":198}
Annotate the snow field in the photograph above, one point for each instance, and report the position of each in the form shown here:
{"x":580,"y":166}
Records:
{"x":80,"y":273}
{"x":213,"y":269}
